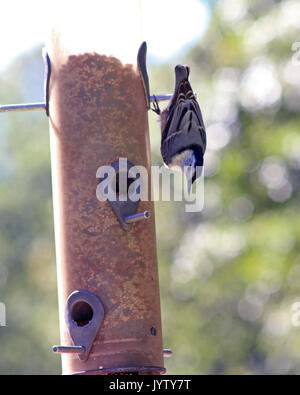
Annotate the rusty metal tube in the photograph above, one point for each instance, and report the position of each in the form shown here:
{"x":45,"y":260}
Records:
{"x":97,"y":115}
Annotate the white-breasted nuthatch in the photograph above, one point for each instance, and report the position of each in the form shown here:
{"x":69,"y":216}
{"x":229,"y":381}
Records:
{"x":183,"y":141}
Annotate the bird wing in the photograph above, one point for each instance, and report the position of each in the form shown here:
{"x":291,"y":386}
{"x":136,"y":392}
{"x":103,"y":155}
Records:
{"x":184,"y":125}
{"x":183,"y":112}
{"x":184,"y":129}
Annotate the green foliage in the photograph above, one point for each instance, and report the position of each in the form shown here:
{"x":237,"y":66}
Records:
{"x":27,"y":262}
{"x":230,"y":275}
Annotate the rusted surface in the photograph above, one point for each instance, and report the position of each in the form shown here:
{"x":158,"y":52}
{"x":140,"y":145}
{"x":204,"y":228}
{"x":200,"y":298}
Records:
{"x":97,"y":115}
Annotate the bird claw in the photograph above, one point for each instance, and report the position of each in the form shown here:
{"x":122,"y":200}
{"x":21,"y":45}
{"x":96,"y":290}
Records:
{"x":155,"y":107}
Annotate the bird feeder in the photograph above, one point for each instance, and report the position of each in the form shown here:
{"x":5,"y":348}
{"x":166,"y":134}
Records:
{"x":109,"y":304}
{"x":96,"y":98}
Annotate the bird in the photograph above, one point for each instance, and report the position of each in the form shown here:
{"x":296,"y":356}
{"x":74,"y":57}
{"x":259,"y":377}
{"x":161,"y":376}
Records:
{"x":183,"y":139}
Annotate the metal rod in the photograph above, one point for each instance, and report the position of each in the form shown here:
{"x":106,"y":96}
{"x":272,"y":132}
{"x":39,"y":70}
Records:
{"x":163,"y":97}
{"x":160,"y":97}
{"x":23,"y":107}
{"x":68,"y":349}
{"x":42,"y":106}
{"x":137,"y":217}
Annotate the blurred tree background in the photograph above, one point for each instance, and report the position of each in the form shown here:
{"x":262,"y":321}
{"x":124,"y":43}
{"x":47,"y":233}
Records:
{"x":230,"y":275}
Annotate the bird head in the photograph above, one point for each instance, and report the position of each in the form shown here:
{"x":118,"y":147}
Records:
{"x":187,"y":162}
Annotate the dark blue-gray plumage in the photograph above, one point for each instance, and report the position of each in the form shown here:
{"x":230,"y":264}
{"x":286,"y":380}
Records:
{"x":183,"y":141}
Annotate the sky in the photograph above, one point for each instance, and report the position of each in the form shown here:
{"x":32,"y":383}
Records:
{"x":25,"y":25}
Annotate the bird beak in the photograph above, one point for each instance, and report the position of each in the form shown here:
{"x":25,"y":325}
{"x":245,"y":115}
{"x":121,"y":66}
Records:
{"x":189,"y":183}
{"x":188,"y":172}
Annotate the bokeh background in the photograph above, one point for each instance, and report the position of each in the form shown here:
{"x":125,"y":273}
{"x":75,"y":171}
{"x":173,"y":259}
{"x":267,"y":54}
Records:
{"x":230,"y":275}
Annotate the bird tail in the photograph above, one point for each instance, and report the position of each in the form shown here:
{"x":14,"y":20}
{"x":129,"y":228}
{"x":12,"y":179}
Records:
{"x":183,"y":89}
{"x":181,"y":75}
